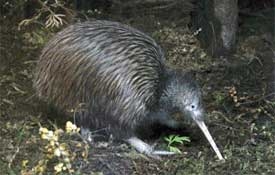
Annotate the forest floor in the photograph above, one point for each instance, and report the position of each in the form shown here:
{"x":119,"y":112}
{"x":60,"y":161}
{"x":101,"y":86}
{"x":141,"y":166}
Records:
{"x":239,"y":113}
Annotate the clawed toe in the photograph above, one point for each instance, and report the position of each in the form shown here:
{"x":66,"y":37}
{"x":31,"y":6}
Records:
{"x":159,"y":152}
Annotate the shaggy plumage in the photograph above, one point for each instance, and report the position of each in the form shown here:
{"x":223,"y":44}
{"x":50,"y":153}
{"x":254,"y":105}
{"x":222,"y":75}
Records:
{"x":117,"y":74}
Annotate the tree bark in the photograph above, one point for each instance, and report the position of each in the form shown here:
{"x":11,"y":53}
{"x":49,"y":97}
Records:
{"x":218,"y":21}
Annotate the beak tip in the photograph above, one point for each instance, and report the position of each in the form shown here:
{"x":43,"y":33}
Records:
{"x":208,"y":136}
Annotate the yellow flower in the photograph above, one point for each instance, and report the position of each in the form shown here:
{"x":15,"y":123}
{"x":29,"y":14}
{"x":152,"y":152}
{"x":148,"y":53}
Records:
{"x":84,"y":154}
{"x":70,"y":127}
{"x":68,"y":165}
{"x":44,"y":136}
{"x":49,"y":150}
{"x":58,"y":168}
{"x":54,"y":137}
{"x":49,"y":155}
{"x":71,"y":170}
{"x":57,"y":152}
{"x":43,"y":130}
{"x":66,"y":159}
{"x":61,"y":150}
{"x":79,"y":145}
{"x":52,"y":143}
{"x":49,"y":135}
{"x":24,"y":163}
{"x":40,"y":167}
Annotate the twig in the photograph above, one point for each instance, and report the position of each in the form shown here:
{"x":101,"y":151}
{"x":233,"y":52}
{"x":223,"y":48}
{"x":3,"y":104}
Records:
{"x":260,"y":99}
{"x":215,"y":39}
{"x":220,"y":114}
{"x":13,"y":156}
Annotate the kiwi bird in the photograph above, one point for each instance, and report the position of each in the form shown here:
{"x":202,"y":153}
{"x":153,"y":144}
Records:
{"x":118,"y":74}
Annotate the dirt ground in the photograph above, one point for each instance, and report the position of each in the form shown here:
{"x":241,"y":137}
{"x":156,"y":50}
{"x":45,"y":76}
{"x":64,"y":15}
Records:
{"x":239,"y":113}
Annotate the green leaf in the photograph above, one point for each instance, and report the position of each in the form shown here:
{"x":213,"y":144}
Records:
{"x":167,"y":139}
{"x":173,"y":139}
{"x":181,"y":139}
{"x":174,"y":149}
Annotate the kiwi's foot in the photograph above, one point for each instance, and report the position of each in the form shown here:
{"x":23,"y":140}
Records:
{"x":147,"y":149}
{"x":86,"y":134}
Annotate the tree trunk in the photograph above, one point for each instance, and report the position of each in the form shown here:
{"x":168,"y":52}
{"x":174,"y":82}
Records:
{"x":218,"y":21}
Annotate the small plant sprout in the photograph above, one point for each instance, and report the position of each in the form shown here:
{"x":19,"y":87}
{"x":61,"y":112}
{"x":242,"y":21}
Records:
{"x":173,"y":140}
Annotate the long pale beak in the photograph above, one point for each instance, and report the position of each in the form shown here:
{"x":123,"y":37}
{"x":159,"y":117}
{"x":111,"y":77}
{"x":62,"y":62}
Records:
{"x":205,"y":131}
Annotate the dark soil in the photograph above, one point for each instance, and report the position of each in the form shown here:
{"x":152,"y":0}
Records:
{"x":243,"y":129}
